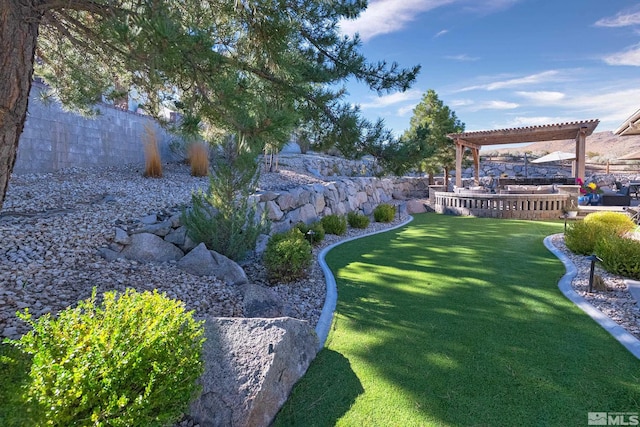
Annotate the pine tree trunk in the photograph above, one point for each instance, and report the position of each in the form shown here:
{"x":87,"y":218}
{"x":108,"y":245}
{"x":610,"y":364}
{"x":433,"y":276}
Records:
{"x":19,"y":24}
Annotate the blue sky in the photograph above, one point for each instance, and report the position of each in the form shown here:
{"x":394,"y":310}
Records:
{"x":506,"y":63}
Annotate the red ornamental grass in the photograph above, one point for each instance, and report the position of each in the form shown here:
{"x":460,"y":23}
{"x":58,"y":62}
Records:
{"x":199,"y":159}
{"x":152,"y":161}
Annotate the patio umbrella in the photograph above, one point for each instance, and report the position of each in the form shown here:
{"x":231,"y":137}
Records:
{"x":556,"y":156}
{"x":631,"y":156}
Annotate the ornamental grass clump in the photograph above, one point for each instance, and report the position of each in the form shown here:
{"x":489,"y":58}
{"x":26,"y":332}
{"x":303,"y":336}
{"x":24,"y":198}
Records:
{"x":152,"y":162}
{"x":199,"y":159}
{"x":287,"y":257}
{"x":131,"y":361}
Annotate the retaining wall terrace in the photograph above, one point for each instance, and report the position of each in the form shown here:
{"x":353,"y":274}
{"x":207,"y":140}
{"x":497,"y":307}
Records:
{"x":309,"y":203}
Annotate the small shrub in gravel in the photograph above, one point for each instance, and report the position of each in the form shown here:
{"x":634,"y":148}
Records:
{"x":334,"y":224}
{"x":618,"y":222}
{"x":619,"y":255}
{"x":314,"y":232}
{"x":384,"y":213}
{"x":582,"y":236}
{"x":287,"y":256}
{"x":357,"y":220}
{"x":132,"y":361}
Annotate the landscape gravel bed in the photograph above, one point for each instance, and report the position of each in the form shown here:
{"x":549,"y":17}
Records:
{"x":52,"y":224}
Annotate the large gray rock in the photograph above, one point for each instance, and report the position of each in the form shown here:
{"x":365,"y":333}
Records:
{"x":416,"y":206}
{"x":260,"y":301}
{"x":147,"y":247}
{"x":203,"y":262}
{"x":251,"y":365}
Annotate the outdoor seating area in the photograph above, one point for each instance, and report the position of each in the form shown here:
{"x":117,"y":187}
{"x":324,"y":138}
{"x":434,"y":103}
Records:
{"x":620,"y":196}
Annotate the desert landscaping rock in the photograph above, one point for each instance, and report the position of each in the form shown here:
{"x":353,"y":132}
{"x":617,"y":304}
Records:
{"x":203,"y":262}
{"x":251,"y":366}
{"x":147,"y":247}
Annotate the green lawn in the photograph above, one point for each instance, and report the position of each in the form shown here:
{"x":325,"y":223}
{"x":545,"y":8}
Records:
{"x":458,"y":321}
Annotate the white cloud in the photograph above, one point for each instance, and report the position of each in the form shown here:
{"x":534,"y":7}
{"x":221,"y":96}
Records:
{"x":405,"y":111}
{"x":496,"y":105}
{"x":463,"y":57}
{"x":524,"y":121}
{"x":441,"y":33}
{"x":462,"y":102}
{"x":394,"y":98}
{"x":542,"y":96}
{"x":388,"y":16}
{"x":622,"y":19}
{"x":544,"y":77}
{"x":630,"y":56}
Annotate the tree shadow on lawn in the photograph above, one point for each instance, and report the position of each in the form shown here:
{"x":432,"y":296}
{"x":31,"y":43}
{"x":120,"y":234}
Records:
{"x":333,"y":394}
{"x":465,"y":318}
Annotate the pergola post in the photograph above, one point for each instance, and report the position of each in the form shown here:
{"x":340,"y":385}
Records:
{"x":459,"y":153}
{"x":581,"y":140}
{"x":475,"y":151}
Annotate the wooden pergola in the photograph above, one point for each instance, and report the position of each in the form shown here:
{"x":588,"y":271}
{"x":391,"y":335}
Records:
{"x":563,"y":131}
{"x":631,"y":126}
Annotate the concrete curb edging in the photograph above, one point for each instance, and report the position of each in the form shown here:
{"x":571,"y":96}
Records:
{"x":630,"y":342}
{"x":329,"y":307}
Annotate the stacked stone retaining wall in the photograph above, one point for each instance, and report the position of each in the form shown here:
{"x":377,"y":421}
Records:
{"x":309,"y":203}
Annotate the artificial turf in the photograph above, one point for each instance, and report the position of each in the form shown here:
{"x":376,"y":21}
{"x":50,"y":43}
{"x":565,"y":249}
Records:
{"x":458,"y":321}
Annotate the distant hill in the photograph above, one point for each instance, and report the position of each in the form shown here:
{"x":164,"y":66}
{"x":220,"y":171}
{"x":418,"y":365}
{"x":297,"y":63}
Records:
{"x":600,"y":145}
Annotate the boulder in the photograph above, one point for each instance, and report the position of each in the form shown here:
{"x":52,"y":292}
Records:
{"x":159,"y":228}
{"x":147,"y":247}
{"x":203,"y":262}
{"x":250,"y":367}
{"x":416,"y":206}
{"x":260,"y":301}
{"x":121,"y":237}
{"x":177,"y":236}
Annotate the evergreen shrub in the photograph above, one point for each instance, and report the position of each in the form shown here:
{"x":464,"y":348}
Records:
{"x":581,"y":236}
{"x":287,"y":256}
{"x":618,"y":222}
{"x":334,"y":224}
{"x":314,"y":232}
{"x":357,"y":220}
{"x":131,"y":361}
{"x":384,"y":213}
{"x":619,"y":255}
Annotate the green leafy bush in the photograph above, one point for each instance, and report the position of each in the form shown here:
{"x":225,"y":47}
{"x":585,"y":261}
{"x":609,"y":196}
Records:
{"x":132,"y":361}
{"x":620,"y":255}
{"x":618,"y":222}
{"x":314,"y":232}
{"x":384,"y":213}
{"x":357,"y":220}
{"x":334,"y":224}
{"x":581,"y":236}
{"x":287,"y":256}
